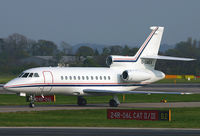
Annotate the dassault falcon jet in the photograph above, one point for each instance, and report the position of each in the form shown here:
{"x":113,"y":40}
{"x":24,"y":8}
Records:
{"x":122,"y":76}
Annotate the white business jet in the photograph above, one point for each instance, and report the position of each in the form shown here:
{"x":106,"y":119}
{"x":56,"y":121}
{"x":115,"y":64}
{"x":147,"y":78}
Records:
{"x":124,"y":74}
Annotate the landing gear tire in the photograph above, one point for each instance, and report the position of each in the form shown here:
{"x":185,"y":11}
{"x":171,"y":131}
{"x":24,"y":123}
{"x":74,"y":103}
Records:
{"x":32,"y":105}
{"x":113,"y":103}
{"x":81,"y":101}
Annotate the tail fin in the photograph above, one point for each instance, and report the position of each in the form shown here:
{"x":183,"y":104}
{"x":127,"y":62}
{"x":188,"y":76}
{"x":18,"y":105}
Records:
{"x":152,"y":44}
{"x":150,"y":48}
{"x":147,"y":54}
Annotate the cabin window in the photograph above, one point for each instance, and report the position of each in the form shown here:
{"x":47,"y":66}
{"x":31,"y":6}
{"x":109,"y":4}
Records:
{"x":30,"y":75}
{"x":79,"y":77}
{"x":87,"y":77}
{"x":61,"y":77}
{"x":65,"y":77}
{"x":96,"y":77}
{"x":91,"y":77}
{"x":70,"y":77}
{"x":83,"y":77}
{"x":25,"y":75}
{"x":74,"y":77}
{"x":100,"y":77}
{"x":36,"y":75}
{"x":104,"y":77}
{"x":108,"y":77}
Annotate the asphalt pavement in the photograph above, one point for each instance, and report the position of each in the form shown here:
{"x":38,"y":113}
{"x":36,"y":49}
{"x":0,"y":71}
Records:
{"x":20,"y":108}
{"x":87,"y":131}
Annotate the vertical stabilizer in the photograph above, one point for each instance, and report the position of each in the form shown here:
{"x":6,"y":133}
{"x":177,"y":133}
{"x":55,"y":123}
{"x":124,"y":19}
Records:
{"x":147,"y":54}
{"x":152,"y":43}
{"x":150,"y":48}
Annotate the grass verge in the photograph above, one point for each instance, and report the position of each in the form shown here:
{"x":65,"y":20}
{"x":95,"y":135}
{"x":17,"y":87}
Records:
{"x":181,"y":118}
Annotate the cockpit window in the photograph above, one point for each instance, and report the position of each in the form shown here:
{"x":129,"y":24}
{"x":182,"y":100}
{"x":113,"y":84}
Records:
{"x":21,"y":74}
{"x":30,"y":75}
{"x":36,"y":75}
{"x":25,"y":75}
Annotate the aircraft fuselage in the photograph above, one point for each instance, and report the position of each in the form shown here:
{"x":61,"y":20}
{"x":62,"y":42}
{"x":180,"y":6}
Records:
{"x":73,"y":80}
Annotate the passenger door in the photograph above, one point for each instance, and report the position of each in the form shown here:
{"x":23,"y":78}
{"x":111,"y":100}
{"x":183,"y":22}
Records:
{"x":48,"y":81}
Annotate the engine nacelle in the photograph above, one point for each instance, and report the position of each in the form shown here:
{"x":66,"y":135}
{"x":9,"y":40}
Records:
{"x":135,"y":76}
{"x":115,"y":60}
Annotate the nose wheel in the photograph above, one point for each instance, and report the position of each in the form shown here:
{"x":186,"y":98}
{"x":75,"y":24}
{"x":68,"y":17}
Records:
{"x":32,"y":101}
{"x":81,"y":101}
{"x":32,"y":105}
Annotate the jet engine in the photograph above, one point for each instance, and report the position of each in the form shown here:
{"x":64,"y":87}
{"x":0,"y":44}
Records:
{"x":115,"y":60}
{"x":135,"y":76}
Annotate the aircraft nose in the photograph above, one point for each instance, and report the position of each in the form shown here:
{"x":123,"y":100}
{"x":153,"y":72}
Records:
{"x":6,"y":86}
{"x":11,"y":86}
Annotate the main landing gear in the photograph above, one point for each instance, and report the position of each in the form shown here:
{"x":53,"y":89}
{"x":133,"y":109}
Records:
{"x":114,"y":102}
{"x":81,"y":101}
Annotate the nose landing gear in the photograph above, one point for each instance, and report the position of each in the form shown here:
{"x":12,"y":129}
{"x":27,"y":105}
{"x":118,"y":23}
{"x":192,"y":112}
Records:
{"x":114,"y":102}
{"x":31,"y":99}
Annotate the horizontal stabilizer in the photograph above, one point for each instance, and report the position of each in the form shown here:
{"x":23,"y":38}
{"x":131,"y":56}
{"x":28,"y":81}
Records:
{"x":167,"y":58}
{"x":108,"y":92}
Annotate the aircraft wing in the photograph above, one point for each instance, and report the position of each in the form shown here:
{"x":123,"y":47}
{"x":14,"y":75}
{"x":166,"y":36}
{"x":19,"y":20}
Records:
{"x":110,"y":92}
{"x":167,"y":58}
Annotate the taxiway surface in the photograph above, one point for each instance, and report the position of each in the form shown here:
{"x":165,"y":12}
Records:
{"x":97,"y":106}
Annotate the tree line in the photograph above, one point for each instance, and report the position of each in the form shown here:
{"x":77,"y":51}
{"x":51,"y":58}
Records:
{"x":17,"y":46}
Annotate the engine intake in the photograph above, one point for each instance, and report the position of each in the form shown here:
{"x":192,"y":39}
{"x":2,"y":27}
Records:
{"x":109,"y":60}
{"x":135,"y":76}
